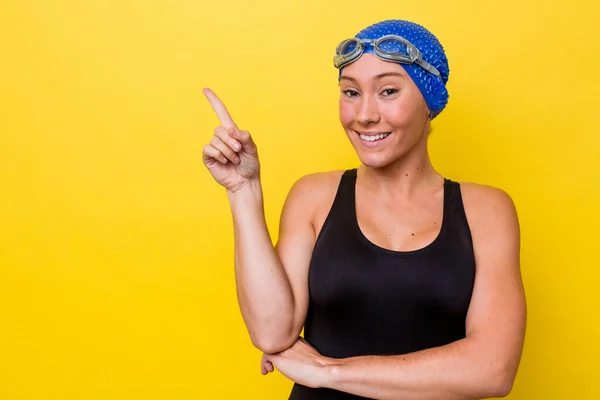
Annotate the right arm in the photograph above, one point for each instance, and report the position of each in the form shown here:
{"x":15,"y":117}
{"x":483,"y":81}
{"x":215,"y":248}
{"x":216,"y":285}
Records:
{"x":271,"y":282}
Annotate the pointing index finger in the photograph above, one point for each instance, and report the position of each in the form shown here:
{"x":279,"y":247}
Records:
{"x":219,"y":108}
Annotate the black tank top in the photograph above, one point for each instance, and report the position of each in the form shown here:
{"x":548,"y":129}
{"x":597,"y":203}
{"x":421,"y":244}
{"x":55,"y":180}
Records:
{"x":367,"y":300}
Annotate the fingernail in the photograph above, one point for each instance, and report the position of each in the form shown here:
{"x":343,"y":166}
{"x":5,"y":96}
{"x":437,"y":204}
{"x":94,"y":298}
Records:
{"x":236,"y":146}
{"x":237,"y":160}
{"x":234,"y":133}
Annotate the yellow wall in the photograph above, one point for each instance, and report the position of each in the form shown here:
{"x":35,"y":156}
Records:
{"x":116,"y":277}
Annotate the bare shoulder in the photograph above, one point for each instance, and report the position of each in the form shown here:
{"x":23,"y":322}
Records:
{"x":487,"y":206}
{"x":312,"y":195}
{"x":494,"y":225}
{"x":319,"y":182}
{"x":315,"y":189}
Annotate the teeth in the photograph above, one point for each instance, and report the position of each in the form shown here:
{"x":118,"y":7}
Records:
{"x":373,"y":138}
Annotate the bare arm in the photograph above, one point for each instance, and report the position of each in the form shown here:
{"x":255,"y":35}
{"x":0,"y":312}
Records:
{"x":271,"y":287}
{"x":484,"y":364}
{"x":272,"y":282}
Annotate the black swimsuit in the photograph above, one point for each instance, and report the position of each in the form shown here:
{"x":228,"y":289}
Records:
{"x":367,"y":300}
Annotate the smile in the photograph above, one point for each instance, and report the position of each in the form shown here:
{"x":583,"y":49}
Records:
{"x":372,"y":136}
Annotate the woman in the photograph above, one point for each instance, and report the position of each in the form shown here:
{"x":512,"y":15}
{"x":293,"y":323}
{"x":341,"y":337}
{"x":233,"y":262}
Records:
{"x":407,"y":284}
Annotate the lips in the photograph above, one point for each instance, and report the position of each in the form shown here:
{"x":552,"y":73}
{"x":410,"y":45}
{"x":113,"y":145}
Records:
{"x":372,"y":136}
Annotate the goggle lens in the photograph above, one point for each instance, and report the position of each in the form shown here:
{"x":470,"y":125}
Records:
{"x":392,"y":45}
{"x":347,"y":47}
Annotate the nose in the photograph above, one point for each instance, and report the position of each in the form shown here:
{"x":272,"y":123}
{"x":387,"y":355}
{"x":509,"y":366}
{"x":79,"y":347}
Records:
{"x":368,"y":112}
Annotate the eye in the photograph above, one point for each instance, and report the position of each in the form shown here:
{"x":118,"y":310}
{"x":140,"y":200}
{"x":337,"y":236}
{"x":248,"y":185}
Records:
{"x":389,"y":92}
{"x":350,"y":93}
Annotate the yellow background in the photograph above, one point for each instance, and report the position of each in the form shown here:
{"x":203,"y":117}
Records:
{"x":116,"y":277}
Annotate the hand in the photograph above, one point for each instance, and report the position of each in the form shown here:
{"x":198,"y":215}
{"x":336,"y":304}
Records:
{"x":231,"y":157}
{"x":301,"y":363}
{"x":266,"y":366}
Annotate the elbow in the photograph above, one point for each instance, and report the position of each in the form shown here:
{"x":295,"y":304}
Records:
{"x":499,"y":388}
{"x":498,"y":383}
{"x":271,"y":344}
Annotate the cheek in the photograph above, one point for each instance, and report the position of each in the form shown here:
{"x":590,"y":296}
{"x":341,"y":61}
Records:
{"x":396,"y":114}
{"x":347,"y":113}
{"x":403,"y":112}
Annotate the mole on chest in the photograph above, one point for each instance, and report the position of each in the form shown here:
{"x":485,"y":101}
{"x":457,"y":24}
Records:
{"x":400,"y":234}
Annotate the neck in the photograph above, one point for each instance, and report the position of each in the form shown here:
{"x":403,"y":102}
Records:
{"x":408,"y":175}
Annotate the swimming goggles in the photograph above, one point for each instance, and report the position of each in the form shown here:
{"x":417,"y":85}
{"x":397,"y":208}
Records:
{"x":388,"y":48}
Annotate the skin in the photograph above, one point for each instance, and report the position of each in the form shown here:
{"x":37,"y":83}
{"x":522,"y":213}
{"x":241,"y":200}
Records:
{"x":399,"y":200}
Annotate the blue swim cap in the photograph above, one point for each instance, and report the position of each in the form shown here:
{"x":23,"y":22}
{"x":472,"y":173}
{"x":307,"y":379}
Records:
{"x":433,"y":88}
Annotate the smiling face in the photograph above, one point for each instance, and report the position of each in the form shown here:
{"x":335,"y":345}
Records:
{"x":382,"y":111}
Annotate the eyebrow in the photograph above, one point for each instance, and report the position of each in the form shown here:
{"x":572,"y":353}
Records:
{"x":380,"y":76}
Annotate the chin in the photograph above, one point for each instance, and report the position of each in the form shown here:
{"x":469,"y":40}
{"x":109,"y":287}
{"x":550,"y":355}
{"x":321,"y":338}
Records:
{"x":375,"y":160}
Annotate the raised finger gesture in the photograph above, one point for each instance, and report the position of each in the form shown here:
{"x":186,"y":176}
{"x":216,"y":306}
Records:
{"x":231,"y":156}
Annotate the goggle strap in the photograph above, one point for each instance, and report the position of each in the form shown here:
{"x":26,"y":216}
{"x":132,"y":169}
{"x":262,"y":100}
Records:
{"x":414,"y":54}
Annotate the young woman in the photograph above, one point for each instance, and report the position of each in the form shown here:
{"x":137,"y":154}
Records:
{"x":407,"y":284}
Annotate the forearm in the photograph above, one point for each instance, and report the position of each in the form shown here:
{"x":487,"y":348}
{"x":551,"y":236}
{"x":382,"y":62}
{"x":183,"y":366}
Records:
{"x":264,"y":293}
{"x":459,"y":370}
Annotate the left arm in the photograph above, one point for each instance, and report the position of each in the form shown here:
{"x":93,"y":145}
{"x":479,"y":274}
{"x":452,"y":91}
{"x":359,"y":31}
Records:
{"x":485,"y":362}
